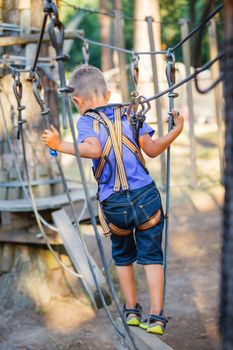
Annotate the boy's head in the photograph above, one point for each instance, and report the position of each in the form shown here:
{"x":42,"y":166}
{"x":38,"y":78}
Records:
{"x":90,"y":88}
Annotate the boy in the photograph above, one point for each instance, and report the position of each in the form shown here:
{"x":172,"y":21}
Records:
{"x":133,"y":210}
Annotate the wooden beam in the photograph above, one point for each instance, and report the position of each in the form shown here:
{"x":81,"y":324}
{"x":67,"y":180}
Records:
{"x":77,"y":254}
{"x":24,"y":236}
{"x":33,"y":38}
{"x":143,"y":340}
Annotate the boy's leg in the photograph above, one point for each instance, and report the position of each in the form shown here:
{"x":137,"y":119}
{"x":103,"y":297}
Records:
{"x":155,"y":281}
{"x":127,"y":283}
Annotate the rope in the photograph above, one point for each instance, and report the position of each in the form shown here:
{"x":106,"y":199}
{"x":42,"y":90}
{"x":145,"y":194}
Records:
{"x":45,"y":114}
{"x":55,"y":32}
{"x":198,"y":27}
{"x":57,"y":39}
{"x":40,"y":41}
{"x":197,"y":49}
{"x":170,"y":74}
{"x":30,"y":196}
{"x":182,"y":82}
{"x":110,"y":14}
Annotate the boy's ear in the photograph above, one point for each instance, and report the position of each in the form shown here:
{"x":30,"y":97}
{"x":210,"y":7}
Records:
{"x":108,"y":96}
{"x":78,"y":100}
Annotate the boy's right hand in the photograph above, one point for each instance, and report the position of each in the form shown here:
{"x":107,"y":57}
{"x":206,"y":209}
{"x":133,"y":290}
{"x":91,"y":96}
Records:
{"x":51,"y":138}
{"x":178,"y":121}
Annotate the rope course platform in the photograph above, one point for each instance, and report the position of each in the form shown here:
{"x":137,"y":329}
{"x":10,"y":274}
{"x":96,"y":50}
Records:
{"x":52,"y":202}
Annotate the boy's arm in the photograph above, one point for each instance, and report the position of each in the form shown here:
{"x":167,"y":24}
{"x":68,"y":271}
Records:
{"x":154,"y":147}
{"x":89,"y":148}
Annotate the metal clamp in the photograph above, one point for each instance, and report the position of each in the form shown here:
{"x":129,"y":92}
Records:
{"x":18,"y":92}
{"x":39,"y":95}
{"x":135,"y":73}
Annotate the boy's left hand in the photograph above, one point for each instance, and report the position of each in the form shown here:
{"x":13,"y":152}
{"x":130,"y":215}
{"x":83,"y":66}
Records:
{"x":51,"y":138}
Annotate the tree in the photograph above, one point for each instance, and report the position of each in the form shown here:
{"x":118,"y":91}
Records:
{"x":227,"y":247}
{"x":105,"y":32}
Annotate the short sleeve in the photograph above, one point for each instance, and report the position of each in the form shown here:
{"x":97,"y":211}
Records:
{"x":85,"y":129}
{"x":146,"y":129}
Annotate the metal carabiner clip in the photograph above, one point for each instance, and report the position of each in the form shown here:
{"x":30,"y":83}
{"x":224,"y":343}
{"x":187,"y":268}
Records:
{"x":39,"y":95}
{"x":135,"y":72}
{"x":85,"y":52}
{"x":170,"y":68}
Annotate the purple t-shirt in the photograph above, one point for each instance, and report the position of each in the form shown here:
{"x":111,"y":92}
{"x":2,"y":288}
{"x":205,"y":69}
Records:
{"x":136,"y":175}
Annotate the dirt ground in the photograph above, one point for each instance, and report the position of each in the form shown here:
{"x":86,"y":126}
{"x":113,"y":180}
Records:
{"x":193,"y":271}
{"x":192,"y":291}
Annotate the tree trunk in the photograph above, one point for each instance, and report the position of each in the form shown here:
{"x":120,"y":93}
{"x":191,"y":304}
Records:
{"x":119,"y":41}
{"x":144,"y":8}
{"x":105,"y":32}
{"x":227,"y":247}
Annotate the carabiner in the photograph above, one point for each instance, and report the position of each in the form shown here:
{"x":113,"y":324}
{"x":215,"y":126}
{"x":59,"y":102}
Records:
{"x":135,"y":72}
{"x":170,"y":67}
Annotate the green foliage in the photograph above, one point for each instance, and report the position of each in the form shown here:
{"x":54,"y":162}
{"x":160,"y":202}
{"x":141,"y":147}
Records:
{"x":170,"y":10}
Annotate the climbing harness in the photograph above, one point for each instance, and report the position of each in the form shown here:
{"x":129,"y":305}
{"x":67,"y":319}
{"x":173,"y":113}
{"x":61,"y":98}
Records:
{"x":115,"y":142}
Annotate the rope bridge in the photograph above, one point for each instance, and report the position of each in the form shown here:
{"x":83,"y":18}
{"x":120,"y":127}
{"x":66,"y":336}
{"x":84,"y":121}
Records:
{"x":56,"y":34}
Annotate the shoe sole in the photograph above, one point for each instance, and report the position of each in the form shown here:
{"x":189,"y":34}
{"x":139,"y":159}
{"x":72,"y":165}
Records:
{"x":143,"y":326}
{"x":133,"y":322}
{"x":156,"y":330}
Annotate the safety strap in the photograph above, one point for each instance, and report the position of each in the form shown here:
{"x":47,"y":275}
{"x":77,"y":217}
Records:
{"x":119,"y":161}
{"x":109,"y":228}
{"x":121,"y":139}
{"x":118,"y":131}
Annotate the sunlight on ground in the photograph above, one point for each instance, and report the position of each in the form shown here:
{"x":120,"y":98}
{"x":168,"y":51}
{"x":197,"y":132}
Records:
{"x":66,"y":314}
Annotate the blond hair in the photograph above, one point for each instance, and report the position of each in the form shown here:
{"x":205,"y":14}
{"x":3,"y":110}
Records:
{"x":87,"y":81}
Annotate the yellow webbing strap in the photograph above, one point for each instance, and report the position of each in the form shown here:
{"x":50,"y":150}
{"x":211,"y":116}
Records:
{"x":118,"y":131}
{"x":119,"y":161}
{"x":108,"y":145}
{"x":133,"y":148}
{"x":103,"y":222}
{"x":96,"y":126}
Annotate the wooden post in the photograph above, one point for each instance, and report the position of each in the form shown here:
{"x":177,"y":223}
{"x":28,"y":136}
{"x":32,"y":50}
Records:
{"x":187,"y":62}
{"x":25,"y":29}
{"x":215,"y":69}
{"x":105,"y":33}
{"x":227,"y":245}
{"x":119,"y":41}
{"x":157,"y":101}
{"x":1,"y":20}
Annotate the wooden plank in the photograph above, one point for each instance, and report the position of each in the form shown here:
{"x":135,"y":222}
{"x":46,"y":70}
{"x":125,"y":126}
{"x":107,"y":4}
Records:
{"x":7,"y":258}
{"x":24,"y":236}
{"x":33,"y":38}
{"x":3,"y":178}
{"x":13,"y":192}
{"x":42,"y":191}
{"x":74,"y":247}
{"x":21,"y":205}
{"x":143,"y":340}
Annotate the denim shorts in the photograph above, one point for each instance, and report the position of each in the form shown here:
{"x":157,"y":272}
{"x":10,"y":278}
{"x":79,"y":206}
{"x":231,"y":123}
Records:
{"x":129,"y":210}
